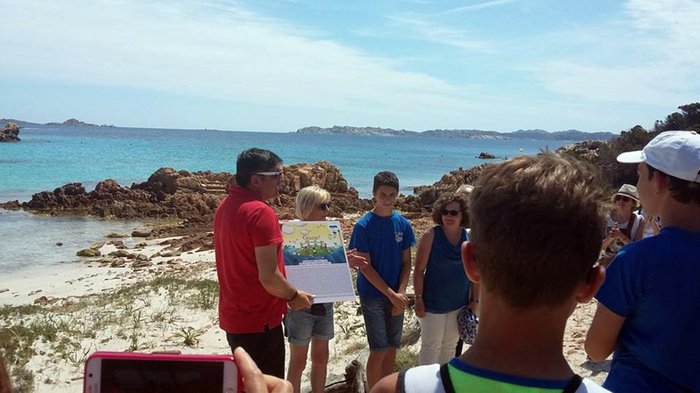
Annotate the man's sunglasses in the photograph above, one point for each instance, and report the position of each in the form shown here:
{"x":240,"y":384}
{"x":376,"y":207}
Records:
{"x":453,"y":213}
{"x":273,"y":173}
{"x":324,"y":206}
{"x":622,"y":198}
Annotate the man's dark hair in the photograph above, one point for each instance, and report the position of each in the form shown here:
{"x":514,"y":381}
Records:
{"x":385,"y":178}
{"x":252,"y":161}
{"x":681,"y":190}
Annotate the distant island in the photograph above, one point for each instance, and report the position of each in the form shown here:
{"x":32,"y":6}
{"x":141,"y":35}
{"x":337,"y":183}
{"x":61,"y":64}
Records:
{"x":69,"y":122}
{"x":568,"y":135}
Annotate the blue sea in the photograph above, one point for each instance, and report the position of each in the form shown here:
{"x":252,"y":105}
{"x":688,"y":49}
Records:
{"x":49,"y":157}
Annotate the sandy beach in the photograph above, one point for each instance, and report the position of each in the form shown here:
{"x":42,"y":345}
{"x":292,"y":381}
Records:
{"x":62,"y":313}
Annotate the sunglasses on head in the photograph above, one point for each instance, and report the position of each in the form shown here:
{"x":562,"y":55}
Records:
{"x":272,"y":173}
{"x":324,"y":206}
{"x":453,"y":213}
{"x":622,"y":198}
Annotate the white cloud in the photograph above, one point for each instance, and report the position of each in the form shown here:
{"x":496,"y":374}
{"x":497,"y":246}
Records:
{"x":479,"y":6}
{"x":651,"y":57}
{"x":217,"y":50}
{"x":424,"y":29}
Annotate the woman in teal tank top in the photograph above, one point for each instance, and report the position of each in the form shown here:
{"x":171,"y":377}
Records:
{"x":439,"y":281}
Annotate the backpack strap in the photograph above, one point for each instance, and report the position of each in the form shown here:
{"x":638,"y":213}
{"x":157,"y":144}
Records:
{"x":401,"y":382}
{"x":573,"y":384}
{"x":446,"y":381}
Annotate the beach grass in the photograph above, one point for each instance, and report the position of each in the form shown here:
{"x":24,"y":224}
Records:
{"x":67,"y":331}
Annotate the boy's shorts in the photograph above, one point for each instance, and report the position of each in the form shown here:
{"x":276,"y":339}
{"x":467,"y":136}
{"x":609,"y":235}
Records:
{"x":383,"y":329}
{"x":303,"y":324}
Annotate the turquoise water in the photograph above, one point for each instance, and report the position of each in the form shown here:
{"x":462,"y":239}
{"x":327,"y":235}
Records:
{"x":49,"y":157}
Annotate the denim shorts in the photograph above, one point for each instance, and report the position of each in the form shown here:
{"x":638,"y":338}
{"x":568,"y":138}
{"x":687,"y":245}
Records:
{"x":302,"y":325}
{"x":383,"y":329}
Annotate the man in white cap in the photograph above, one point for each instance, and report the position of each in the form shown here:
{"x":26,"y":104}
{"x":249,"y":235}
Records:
{"x":649,"y":306}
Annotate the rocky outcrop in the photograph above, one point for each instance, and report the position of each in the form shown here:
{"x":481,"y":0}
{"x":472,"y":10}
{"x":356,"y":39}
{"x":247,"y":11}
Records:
{"x":193,"y":196}
{"x":325,"y":175}
{"x":485,"y":156}
{"x":10,"y":133}
{"x":450,"y":182}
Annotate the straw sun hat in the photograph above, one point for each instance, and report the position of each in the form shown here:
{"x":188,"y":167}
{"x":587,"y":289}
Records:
{"x":629,"y":191}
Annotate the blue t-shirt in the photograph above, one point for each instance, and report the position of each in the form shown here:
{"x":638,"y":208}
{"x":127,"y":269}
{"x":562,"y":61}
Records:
{"x":446,"y":286}
{"x":654,"y":284}
{"x":385,"y":239}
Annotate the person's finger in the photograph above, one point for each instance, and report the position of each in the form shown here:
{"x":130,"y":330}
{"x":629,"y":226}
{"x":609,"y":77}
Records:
{"x":277,"y":385}
{"x":253,"y":378}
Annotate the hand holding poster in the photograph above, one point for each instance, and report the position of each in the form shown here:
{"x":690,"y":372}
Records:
{"x":315,"y":260}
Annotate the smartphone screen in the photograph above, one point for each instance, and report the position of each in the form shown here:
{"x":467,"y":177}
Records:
{"x":122,"y":375}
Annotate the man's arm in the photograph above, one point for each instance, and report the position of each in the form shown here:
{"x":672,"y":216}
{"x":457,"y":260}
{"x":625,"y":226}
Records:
{"x":403,"y":280}
{"x":398,"y":300}
{"x":602,"y":335}
{"x":422,"y":254}
{"x":274,"y":283}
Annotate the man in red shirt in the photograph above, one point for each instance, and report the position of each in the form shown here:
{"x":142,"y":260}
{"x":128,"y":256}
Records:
{"x":253,"y":290}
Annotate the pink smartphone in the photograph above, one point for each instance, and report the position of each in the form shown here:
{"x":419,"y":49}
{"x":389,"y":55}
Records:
{"x":120,"y":372}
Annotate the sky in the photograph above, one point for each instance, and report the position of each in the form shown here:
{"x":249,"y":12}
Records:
{"x":502,"y":65}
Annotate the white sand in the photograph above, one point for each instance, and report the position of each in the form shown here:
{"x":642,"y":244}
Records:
{"x":155,"y":325}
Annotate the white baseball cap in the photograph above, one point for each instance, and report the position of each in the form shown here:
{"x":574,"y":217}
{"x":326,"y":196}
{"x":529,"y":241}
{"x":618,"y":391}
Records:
{"x":675,"y":153}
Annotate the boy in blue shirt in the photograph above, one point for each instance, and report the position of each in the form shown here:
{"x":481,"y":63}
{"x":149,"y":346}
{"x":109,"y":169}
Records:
{"x":649,"y":306}
{"x":384,"y":238}
{"x":536,"y":230}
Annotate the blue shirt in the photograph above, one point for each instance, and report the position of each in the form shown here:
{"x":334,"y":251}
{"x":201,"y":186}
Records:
{"x":654,"y":284}
{"x":384,"y":239}
{"x":446,"y":286}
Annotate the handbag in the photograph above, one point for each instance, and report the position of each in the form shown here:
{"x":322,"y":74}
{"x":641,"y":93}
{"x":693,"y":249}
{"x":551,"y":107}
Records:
{"x":467,"y":322}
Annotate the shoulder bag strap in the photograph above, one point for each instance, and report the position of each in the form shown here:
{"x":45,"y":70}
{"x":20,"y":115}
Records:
{"x":628,"y":229}
{"x":446,"y":381}
{"x":573,"y":384}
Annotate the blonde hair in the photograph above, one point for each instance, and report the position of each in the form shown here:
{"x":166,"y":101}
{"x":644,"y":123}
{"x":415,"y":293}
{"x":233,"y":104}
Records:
{"x":308,"y":197}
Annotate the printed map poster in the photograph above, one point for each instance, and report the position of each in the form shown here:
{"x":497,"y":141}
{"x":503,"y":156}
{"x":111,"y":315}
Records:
{"x":315,"y":260}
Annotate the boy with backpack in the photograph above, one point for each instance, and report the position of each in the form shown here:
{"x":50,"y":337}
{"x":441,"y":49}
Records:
{"x":536,"y":230}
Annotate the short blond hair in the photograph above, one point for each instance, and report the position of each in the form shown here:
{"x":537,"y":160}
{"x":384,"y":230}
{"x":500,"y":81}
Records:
{"x":308,"y":197}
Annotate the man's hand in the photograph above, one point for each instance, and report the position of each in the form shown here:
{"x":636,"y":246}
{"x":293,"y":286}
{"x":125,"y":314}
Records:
{"x":395,"y":311}
{"x":355,"y":261}
{"x":254,"y":380}
{"x":420,"y":307}
{"x":301,"y":301}
{"x":399,"y":300}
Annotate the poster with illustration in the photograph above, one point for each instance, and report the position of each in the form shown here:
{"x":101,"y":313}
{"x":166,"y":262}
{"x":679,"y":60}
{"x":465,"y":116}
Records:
{"x":315,"y":260}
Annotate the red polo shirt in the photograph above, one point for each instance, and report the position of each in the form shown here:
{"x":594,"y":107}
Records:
{"x":242,"y":223}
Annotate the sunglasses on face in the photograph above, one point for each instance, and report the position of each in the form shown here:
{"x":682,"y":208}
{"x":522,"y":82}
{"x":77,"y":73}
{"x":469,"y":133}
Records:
{"x":622,"y":198}
{"x":272,"y":173}
{"x":453,"y":213}
{"x":324,"y":206}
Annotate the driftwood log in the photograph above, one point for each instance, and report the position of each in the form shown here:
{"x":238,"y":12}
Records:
{"x":355,"y":380}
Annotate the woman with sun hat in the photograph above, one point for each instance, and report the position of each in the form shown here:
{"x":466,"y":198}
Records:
{"x":623,"y":225}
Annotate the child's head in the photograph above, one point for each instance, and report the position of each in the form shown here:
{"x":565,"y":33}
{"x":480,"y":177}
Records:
{"x":536,"y":229}
{"x":311,"y":198}
{"x":385,"y":189}
{"x":385,"y":178}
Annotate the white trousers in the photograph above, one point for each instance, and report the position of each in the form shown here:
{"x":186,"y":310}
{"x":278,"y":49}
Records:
{"x":439,"y":335}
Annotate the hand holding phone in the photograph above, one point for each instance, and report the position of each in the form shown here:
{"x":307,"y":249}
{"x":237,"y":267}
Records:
{"x":111,"y":372}
{"x":254,"y":380}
